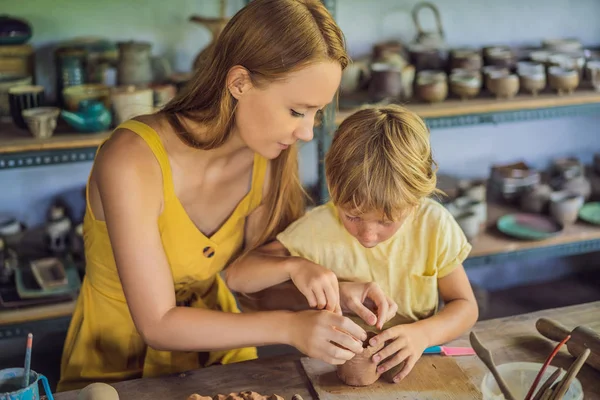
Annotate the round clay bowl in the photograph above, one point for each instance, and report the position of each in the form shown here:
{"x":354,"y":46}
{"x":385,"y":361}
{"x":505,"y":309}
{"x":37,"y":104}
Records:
{"x":361,"y":370}
{"x":464,"y":84}
{"x":503,"y":86}
{"x":563,"y":80}
{"x":533,"y":83}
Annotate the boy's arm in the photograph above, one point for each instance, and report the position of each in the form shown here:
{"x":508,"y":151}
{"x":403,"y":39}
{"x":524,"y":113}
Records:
{"x":459,"y":313}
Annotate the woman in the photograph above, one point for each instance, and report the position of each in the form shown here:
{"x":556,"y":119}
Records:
{"x":175,"y":196}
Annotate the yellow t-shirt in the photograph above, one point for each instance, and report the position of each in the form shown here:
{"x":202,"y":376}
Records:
{"x":427,"y":247}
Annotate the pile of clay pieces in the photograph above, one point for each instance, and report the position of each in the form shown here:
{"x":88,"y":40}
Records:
{"x":242,"y":396}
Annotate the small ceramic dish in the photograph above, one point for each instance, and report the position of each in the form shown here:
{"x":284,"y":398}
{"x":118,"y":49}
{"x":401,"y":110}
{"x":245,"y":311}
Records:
{"x":590,"y":213}
{"x":528,"y":226}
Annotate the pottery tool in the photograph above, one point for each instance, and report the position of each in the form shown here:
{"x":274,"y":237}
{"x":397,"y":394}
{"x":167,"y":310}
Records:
{"x":450,"y":351}
{"x":544,"y":366}
{"x":27,"y":369}
{"x":546,"y":385}
{"x":573,"y":370}
{"x":486,"y":356}
{"x":582,"y":337}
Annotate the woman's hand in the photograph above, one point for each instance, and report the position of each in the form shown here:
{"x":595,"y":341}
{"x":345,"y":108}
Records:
{"x":326,"y":336}
{"x":318,"y":284}
{"x":407,"y":345}
{"x":361,"y":298}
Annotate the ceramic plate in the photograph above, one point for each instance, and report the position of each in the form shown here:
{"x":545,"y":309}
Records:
{"x":590,"y":212}
{"x":528,"y":226}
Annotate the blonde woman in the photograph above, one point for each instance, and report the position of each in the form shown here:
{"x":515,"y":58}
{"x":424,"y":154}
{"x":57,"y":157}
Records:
{"x":380,"y":227}
{"x":174,"y":197}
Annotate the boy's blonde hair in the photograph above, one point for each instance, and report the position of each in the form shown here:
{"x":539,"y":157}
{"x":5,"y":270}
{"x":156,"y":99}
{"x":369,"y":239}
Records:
{"x":380,"y":160}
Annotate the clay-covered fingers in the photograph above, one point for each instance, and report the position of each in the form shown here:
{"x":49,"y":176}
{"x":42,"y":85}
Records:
{"x":332,"y":293}
{"x":408,"y":366}
{"x":362,"y":311}
{"x":392,"y":348}
{"x":386,"y":307}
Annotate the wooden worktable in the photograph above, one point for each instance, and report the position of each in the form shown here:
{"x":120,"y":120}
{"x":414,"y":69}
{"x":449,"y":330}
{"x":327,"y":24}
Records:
{"x":509,"y":339}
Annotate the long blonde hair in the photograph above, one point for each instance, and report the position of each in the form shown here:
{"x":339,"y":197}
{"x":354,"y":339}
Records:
{"x":380,"y":160}
{"x":269,"y":38}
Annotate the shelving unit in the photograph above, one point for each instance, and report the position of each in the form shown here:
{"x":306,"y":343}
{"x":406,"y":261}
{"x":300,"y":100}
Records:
{"x":19,"y":150}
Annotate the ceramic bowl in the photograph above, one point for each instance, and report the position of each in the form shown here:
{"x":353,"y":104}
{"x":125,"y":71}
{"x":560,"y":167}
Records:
{"x":504,"y":86}
{"x":73,"y":95}
{"x":41,"y":121}
{"x":564,"y":206}
{"x":563,"y":80}
{"x":464,"y":84}
{"x":562,"y":44}
{"x":500,"y":56}
{"x":469,"y":59}
{"x":432,"y":86}
{"x":593,"y":73}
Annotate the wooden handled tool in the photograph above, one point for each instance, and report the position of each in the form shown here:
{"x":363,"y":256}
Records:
{"x":582,"y":338}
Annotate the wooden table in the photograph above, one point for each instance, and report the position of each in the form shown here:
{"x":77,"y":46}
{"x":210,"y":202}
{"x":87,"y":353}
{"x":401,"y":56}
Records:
{"x":509,"y":339}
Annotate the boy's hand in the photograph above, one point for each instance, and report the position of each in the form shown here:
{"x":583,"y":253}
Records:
{"x":354,"y":295}
{"x":408,"y":344}
{"x":318,"y":284}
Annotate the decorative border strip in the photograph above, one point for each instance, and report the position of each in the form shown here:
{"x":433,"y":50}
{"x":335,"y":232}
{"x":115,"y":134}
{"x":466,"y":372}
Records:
{"x":56,"y":324}
{"x":513,"y":116}
{"x":46,"y":157}
{"x":561,"y":250}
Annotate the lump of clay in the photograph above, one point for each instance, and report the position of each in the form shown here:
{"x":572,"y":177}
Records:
{"x":247,"y":395}
{"x":98,"y":391}
{"x":361,"y":370}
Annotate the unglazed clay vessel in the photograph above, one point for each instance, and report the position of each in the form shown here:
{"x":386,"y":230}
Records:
{"x":361,"y":370}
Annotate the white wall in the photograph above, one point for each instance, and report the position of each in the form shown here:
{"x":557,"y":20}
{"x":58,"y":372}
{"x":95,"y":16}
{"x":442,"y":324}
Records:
{"x":466,"y":151}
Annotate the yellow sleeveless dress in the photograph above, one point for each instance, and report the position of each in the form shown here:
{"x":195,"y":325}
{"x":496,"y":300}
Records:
{"x":102,"y":343}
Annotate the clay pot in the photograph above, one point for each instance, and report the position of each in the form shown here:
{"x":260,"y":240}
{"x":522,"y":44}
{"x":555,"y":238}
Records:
{"x":537,"y":199}
{"x":464,"y":84}
{"x":532,"y":76}
{"x":563,"y":80}
{"x":593,"y":72}
{"x":499,"y":56}
{"x":361,"y":370}
{"x":41,"y":121}
{"x":503,"y":85}
{"x":386,"y":81}
{"x":468,"y":59}
{"x":432,"y":86}
{"x":564,"y":206}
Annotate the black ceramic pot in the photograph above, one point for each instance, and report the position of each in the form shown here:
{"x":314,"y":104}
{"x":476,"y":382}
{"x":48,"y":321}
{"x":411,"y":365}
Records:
{"x":14,"y":30}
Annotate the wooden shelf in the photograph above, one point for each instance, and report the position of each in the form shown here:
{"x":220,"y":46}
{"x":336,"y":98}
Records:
{"x":454,"y":110}
{"x":493,"y":246}
{"x":15,"y":140}
{"x":31,"y":314}
{"x":19,"y":149}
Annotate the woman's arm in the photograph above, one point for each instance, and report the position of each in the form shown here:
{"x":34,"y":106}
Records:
{"x":129,"y":182}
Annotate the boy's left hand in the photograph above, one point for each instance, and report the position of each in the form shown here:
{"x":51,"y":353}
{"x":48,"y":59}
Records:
{"x":409,"y":342}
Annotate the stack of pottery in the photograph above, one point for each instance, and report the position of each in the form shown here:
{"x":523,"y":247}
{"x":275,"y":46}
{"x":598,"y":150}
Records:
{"x":470,"y":208}
{"x":569,"y":174}
{"x":509,"y":182}
{"x":567,"y":191}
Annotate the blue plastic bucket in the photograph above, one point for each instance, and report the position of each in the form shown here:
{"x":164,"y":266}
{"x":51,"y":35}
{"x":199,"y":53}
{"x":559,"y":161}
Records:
{"x":11,"y":380}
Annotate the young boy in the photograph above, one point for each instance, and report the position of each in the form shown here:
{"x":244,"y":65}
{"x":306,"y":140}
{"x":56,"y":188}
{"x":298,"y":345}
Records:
{"x":380,"y":226}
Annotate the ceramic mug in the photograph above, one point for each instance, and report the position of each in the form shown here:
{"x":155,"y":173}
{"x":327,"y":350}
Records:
{"x":22,"y":98}
{"x":564,"y":206}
